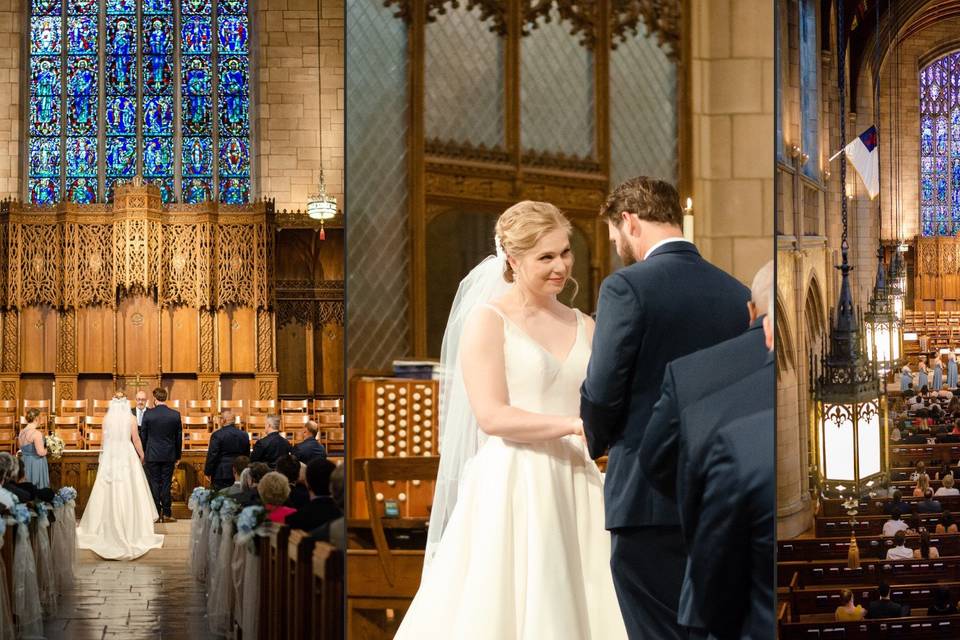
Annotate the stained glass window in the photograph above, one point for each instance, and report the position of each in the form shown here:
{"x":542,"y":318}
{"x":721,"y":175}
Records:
{"x":940,"y":147}
{"x":192,"y":140}
{"x":809,"y":101}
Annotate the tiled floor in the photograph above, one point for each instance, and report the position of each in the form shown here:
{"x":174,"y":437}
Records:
{"x":153,"y":597}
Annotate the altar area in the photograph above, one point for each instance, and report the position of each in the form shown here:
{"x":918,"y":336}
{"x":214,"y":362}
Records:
{"x":224,"y":306}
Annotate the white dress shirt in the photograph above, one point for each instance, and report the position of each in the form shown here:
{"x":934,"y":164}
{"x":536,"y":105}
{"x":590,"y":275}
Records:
{"x":890,"y":527}
{"x":943,"y":491}
{"x":899,"y":553}
{"x":663,"y":242}
{"x":140,"y":413}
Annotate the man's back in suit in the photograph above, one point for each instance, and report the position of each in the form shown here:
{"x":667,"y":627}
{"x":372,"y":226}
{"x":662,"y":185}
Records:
{"x":308,"y":450}
{"x":650,"y":313}
{"x":161,"y":434}
{"x":269,"y":448}
{"x":685,"y":381}
{"x":732,"y":549}
{"x":886,"y":609}
{"x":226,"y":444}
{"x":316,"y":513}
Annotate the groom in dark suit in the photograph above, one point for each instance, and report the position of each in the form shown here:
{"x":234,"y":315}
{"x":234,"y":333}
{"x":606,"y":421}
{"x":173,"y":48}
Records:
{"x":161,"y":433}
{"x":667,"y":302}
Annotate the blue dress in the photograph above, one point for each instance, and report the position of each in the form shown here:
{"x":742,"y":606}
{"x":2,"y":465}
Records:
{"x":35,"y":466}
{"x":937,"y":376}
{"x":952,"y":374}
{"x":905,"y":380}
{"x":922,"y":382}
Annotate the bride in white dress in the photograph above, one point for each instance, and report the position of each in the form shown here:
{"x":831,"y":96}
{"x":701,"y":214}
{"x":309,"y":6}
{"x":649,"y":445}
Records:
{"x":523,"y":554}
{"x":117,"y":523}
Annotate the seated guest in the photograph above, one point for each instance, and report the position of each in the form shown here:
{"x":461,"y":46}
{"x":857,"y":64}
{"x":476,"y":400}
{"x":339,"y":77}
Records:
{"x":254,"y":474}
{"x":899,"y":550}
{"x":321,"y":508}
{"x":945,"y":470}
{"x":925,"y":552}
{"x":946,"y":393}
{"x":919,"y":470}
{"x":946,"y":524}
{"x":885,"y":607}
{"x":942,"y":604}
{"x":310,"y":448}
{"x":947,"y":489}
{"x":895,"y":434}
{"x":299,"y":496}
{"x":953,"y":407}
{"x":335,"y":531}
{"x":8,"y":468}
{"x":894,"y":524}
{"x":272,"y":446}
{"x":23,"y":483}
{"x":928,"y":504}
{"x":847,"y":612}
{"x":923,"y":484}
{"x":896,"y":504}
{"x":912,"y":438}
{"x":226,"y":444}
{"x":239,"y":464}
{"x":274,"y":490}
{"x":10,"y":480}
{"x":913,"y":525}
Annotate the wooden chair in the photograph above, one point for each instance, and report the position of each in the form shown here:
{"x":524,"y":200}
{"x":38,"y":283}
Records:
{"x":237,"y":407}
{"x":43,"y":406}
{"x":173,"y":404}
{"x":332,"y":440}
{"x":8,"y":434}
{"x":293,"y":426}
{"x":75,"y":408}
{"x":327,"y":406}
{"x":263,"y":407}
{"x":8,"y":408}
{"x":200,"y":408}
{"x":100,"y":407}
{"x":196,"y":432}
{"x":326,"y":610}
{"x":68,"y":428}
{"x":381,"y":577}
{"x":297,"y":576}
{"x":93,"y":431}
{"x":256,"y":428}
{"x":294,"y":406}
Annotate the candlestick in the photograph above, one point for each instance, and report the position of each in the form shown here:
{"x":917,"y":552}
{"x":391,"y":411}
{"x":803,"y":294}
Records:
{"x":219,"y":395}
{"x":688,"y":220}
{"x":53,"y":409}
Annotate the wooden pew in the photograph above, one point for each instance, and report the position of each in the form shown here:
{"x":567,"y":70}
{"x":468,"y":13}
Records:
{"x":277,"y":591}
{"x":914,"y":627}
{"x":326,"y":593}
{"x":876,"y":506}
{"x":9,"y":538}
{"x":910,"y":454}
{"x":827,"y":599}
{"x":865,"y":525}
{"x":948,"y":544}
{"x":871,"y":572}
{"x":297,"y":575}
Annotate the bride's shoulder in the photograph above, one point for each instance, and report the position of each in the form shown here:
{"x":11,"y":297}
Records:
{"x":486,"y":318}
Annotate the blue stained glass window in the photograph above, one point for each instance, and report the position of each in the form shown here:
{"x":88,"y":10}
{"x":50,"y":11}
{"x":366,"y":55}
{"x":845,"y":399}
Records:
{"x":940,"y":146}
{"x":187,"y":133}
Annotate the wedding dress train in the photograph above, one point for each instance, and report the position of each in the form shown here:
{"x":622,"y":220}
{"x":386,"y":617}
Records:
{"x":117,"y":523}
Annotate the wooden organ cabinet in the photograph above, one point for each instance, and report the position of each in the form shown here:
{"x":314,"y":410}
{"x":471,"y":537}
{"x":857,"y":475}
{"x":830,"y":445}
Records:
{"x":393,"y":417}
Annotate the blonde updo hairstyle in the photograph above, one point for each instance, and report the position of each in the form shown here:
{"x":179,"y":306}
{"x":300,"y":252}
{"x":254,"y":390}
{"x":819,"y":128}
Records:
{"x":521,"y":227}
{"x":32,"y":414}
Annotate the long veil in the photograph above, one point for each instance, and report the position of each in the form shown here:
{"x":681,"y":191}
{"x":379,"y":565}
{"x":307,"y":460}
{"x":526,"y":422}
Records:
{"x":458,"y":426}
{"x":117,"y":450}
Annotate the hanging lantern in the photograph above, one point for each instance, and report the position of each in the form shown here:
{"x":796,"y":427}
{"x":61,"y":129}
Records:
{"x":897,"y":285}
{"x":882,"y":329}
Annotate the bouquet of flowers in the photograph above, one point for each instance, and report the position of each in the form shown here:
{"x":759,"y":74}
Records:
{"x":199,"y":498}
{"x":42,"y":509}
{"x":58,"y":501}
{"x":21,"y":513}
{"x":54,"y":445}
{"x":215,"y":504}
{"x":67,"y":494}
{"x":250,"y":523}
{"x":229,"y":509}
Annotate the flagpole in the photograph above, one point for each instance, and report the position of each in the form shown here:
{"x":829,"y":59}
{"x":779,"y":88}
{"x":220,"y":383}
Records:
{"x":834,"y":156}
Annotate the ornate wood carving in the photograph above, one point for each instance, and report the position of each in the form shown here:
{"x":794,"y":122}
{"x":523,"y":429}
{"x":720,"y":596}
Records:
{"x":207,"y":340}
{"x":66,"y":388}
{"x":264,"y":341}
{"x":208,"y":390}
{"x":36,"y":264}
{"x":88,"y":278}
{"x":67,"y":341}
{"x":8,"y":390}
{"x":186,"y":264}
{"x":309,"y":303}
{"x":11,"y":341}
{"x":266,"y":389}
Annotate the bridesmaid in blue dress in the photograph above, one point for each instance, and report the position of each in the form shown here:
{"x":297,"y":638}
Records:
{"x":33,"y":452}
{"x":952,"y":370}
{"x":937,"y":374}
{"x":906,"y":377}
{"x":922,"y":378}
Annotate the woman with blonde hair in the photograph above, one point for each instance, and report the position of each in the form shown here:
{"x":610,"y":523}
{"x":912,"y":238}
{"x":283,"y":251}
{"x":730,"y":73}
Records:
{"x":516,"y":545}
{"x":923,"y":483}
{"x":847,"y":611}
{"x":947,"y":489}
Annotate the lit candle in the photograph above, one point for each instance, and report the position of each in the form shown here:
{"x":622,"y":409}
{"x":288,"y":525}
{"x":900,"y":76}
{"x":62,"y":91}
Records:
{"x":54,"y":400}
{"x":688,"y":220}
{"x":219,"y":394}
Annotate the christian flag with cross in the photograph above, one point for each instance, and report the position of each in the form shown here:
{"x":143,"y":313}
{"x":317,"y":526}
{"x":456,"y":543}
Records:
{"x":863,"y":154}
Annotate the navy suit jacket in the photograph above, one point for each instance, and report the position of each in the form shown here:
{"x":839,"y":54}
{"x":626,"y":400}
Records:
{"x":270,"y":448}
{"x":732,"y":557}
{"x":667,"y":306}
{"x":226,"y":444}
{"x":699,"y":425}
{"x":308,"y":450}
{"x":685,"y":381}
{"x":161,"y":434}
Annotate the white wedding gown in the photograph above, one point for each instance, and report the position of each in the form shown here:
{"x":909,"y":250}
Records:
{"x":117,"y":523}
{"x":525,"y":554}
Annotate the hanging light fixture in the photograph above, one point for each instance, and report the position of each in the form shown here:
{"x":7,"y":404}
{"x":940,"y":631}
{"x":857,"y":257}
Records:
{"x":897,"y":284}
{"x":881,"y":327}
{"x":850,"y":416}
{"x":321,"y":207}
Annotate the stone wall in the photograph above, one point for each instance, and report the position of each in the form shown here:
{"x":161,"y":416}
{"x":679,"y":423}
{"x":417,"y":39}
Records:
{"x":11,"y":24}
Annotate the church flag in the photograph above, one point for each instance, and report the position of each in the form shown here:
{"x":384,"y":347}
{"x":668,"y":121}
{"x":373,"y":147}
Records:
{"x":863,"y":154}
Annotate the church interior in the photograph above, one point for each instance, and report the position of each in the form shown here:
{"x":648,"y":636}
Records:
{"x":172,"y":216}
{"x":471,"y":107}
{"x":866,"y":316}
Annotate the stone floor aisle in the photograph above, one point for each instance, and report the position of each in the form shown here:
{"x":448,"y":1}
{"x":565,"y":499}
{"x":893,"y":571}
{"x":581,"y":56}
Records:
{"x":153,"y":597}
